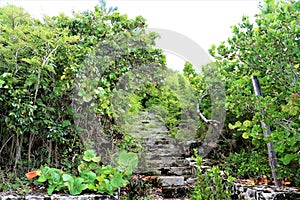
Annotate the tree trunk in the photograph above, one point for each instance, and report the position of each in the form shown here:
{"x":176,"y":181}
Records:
{"x":267,"y":131}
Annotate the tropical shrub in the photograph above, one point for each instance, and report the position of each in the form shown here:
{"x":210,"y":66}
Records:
{"x":210,"y":184}
{"x":91,"y":176}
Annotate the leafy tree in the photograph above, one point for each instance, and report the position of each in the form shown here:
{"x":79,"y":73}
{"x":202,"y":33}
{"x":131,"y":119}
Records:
{"x":269,"y":49}
{"x":45,"y":65}
{"x":31,"y":111}
{"x":116,"y":54}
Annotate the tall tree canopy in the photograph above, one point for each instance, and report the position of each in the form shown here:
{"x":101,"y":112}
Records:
{"x":45,"y":64}
{"x":268,"y":49}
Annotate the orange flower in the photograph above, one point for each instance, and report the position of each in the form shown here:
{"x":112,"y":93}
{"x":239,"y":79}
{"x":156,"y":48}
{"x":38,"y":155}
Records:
{"x":32,"y":174}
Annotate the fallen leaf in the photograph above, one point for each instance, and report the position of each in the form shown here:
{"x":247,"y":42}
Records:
{"x":32,"y":174}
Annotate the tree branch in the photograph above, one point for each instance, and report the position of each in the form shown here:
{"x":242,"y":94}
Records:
{"x":45,"y":61}
{"x":207,"y":121}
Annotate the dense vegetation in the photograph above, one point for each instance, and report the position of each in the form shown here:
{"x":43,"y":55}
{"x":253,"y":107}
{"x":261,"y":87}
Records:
{"x":61,"y":75}
{"x":43,"y":65}
{"x":268,"y":49}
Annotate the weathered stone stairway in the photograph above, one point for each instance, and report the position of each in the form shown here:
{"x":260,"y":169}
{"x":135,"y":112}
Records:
{"x":163,"y":156}
{"x":169,"y":160}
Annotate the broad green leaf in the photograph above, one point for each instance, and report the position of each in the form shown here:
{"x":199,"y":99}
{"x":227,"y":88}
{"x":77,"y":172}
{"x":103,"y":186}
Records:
{"x":50,"y":189}
{"x":288,"y":158}
{"x":88,"y":176}
{"x":67,"y":177}
{"x":90,"y":155}
{"x":230,"y":126}
{"x":78,"y":186}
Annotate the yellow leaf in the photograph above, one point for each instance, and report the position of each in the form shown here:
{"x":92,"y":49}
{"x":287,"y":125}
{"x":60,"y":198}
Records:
{"x":247,"y":123}
{"x":62,"y":77}
{"x":245,"y":136}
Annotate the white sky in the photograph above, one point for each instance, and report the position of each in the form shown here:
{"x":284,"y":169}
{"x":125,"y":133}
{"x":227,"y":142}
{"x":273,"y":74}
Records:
{"x":205,"y":22}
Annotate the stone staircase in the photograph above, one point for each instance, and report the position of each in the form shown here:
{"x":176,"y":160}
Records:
{"x":169,"y":160}
{"x":163,"y":156}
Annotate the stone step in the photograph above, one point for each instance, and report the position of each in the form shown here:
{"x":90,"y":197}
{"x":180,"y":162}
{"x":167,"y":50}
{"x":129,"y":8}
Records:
{"x":176,"y":192}
{"x":168,"y":181}
{"x":156,"y":164}
{"x":174,"y":187}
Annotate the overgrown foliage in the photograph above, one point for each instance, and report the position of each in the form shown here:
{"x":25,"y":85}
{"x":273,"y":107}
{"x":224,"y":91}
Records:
{"x":268,"y":49}
{"x":44,"y":68}
{"x":171,"y":100}
{"x":104,"y":179}
{"x":210,"y":184}
{"x":35,"y":116}
{"x":142,"y":187}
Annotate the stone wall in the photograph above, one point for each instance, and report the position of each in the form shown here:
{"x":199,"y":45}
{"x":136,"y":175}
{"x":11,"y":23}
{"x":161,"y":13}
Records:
{"x":264,"y":192}
{"x":57,"y":197}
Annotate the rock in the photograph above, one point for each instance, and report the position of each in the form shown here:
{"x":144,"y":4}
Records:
{"x":191,"y":180}
{"x":180,"y":171}
{"x":172,"y":180}
{"x":36,"y":197}
{"x":10,"y":197}
{"x":59,"y":197}
{"x":265,"y":193}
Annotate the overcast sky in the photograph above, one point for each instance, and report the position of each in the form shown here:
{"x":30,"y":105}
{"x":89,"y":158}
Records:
{"x":205,"y":22}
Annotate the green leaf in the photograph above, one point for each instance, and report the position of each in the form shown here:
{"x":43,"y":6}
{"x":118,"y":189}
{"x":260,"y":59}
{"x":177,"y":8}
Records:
{"x":1,"y":83}
{"x":87,"y":98}
{"x":32,"y":79}
{"x":288,"y":158}
{"x":81,"y":92}
{"x":32,"y":61}
{"x":66,"y":123}
{"x":78,"y":186}
{"x":128,"y":160}
{"x":42,"y":178}
{"x":245,"y":135}
{"x":236,"y":125}
{"x":50,"y":68}
{"x":88,"y":176}
{"x":55,"y":177}
{"x":67,"y":178}
{"x":230,"y":126}
{"x":117,"y":180}
{"x":90,"y":155}
{"x":50,"y":189}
